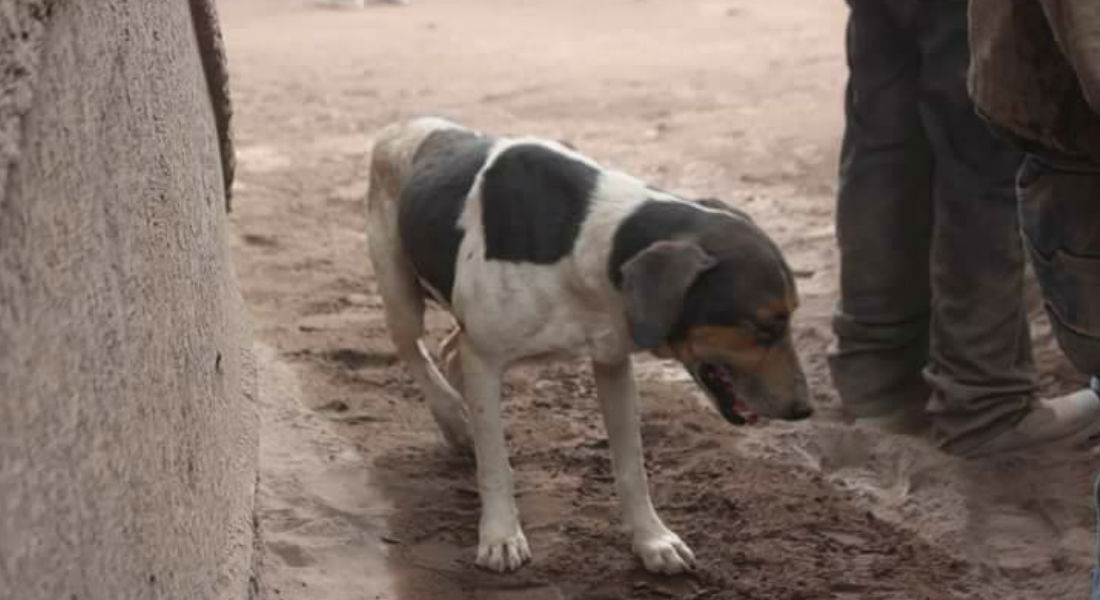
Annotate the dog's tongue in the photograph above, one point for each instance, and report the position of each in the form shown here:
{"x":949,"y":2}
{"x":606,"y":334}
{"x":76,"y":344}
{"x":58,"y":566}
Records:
{"x":735,"y":406}
{"x":749,"y":417}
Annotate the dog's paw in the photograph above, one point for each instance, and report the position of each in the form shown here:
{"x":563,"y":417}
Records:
{"x":663,"y":552}
{"x":503,"y":553}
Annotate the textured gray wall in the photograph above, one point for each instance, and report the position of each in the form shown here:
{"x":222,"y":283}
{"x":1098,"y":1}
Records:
{"x":127,"y":417}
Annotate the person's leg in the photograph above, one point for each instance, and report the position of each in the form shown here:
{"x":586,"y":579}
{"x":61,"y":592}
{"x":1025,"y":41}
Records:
{"x":1094,"y":384}
{"x":1060,"y":214}
{"x":1059,"y":209}
{"x":980,"y":367}
{"x":1060,"y":217}
{"x":883,"y":222}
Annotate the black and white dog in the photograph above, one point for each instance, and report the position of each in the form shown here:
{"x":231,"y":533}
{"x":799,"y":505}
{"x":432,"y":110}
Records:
{"x":538,"y":251}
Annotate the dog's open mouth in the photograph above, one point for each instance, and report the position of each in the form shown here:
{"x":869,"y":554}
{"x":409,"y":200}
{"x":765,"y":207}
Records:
{"x":718,"y":381}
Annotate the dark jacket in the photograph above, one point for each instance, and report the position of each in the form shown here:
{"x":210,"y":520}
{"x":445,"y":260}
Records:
{"x":1035,"y":72}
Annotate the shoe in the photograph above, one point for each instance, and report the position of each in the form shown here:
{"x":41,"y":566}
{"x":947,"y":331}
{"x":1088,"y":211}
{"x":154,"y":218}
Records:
{"x":1071,"y":420}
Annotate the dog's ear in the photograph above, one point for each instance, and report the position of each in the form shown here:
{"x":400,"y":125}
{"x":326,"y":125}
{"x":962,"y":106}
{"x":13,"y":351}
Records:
{"x":654,"y":285}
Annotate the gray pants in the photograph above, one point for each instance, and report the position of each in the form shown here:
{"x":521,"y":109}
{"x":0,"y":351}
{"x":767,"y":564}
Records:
{"x":932,"y":310}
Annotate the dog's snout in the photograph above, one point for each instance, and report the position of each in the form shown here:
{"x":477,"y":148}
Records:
{"x":800,"y":411}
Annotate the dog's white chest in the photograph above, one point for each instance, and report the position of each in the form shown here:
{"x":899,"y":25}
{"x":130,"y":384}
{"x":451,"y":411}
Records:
{"x":515,"y":311}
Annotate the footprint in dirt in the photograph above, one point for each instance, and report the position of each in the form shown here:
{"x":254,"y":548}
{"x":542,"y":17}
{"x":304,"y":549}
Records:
{"x":358,"y":359}
{"x":1025,"y":515}
{"x":293,"y":555}
{"x":350,"y":411}
{"x":260,"y":240}
{"x":349,"y":358}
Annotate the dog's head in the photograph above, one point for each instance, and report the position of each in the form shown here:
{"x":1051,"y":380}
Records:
{"x":720,"y":299}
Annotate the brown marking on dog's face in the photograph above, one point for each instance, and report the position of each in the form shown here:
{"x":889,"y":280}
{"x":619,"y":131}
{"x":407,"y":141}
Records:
{"x":745,"y":374}
{"x":737,"y":344}
{"x":735,"y":335}
{"x":778,"y":309}
{"x":712,"y":290}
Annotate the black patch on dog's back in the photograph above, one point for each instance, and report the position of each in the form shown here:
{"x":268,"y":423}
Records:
{"x":534,"y":201}
{"x":444,"y":169}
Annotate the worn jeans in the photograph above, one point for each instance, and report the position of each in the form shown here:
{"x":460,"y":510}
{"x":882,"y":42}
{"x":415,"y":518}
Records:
{"x":932,"y":310}
{"x":1060,"y":216}
{"x":1096,"y":570}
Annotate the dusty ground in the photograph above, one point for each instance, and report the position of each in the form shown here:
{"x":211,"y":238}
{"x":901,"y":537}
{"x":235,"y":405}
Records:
{"x":737,"y":99}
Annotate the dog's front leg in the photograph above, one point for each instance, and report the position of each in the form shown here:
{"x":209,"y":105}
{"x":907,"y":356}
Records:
{"x":660,"y":549}
{"x":501,"y":543}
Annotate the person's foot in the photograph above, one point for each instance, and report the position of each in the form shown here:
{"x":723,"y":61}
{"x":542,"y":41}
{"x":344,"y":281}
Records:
{"x":1066,"y":420}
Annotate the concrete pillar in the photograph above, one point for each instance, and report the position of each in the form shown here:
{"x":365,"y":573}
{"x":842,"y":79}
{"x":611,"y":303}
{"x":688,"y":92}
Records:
{"x":127,"y":406}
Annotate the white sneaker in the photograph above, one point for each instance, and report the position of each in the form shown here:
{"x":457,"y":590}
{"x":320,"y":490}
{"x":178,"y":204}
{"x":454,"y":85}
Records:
{"x":1072,"y":419}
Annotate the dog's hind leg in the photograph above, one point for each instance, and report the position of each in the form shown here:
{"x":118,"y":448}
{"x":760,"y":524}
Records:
{"x":404,"y":306}
{"x":403,"y":300}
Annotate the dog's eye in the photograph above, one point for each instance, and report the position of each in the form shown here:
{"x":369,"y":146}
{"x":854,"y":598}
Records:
{"x":766,"y":337}
{"x":761,"y":333}
{"x":770,"y":332}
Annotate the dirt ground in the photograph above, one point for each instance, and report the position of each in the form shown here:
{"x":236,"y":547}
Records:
{"x":359,"y":498}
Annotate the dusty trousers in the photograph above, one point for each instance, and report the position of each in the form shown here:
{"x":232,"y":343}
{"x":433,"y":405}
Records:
{"x":932,"y":310}
{"x":1060,"y":216}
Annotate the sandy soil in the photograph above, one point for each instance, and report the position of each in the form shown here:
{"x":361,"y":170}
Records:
{"x":358,"y":496}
